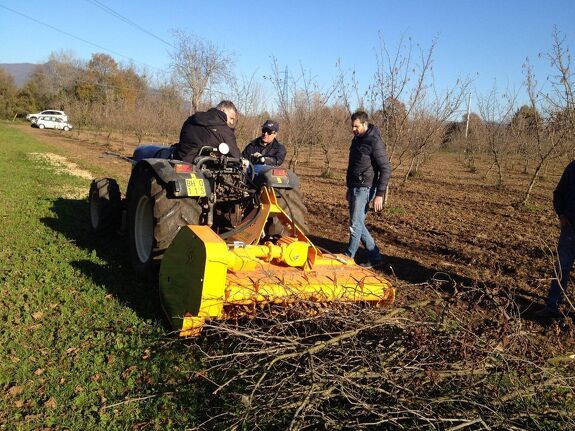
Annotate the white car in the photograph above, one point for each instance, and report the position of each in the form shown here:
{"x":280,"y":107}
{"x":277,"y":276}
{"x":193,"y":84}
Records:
{"x":58,"y":114}
{"x":51,"y":122}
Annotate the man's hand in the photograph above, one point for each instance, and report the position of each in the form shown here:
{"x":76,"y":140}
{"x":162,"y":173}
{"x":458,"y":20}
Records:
{"x":378,"y":203}
{"x":258,"y":158}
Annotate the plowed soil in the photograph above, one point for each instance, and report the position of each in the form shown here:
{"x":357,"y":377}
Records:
{"x":446,"y":223}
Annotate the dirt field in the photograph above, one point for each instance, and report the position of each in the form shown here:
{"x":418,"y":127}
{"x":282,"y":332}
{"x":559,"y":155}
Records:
{"x":445,"y":224}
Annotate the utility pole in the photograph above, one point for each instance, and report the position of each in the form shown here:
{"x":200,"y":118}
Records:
{"x":467,"y":119}
{"x":285,"y":82}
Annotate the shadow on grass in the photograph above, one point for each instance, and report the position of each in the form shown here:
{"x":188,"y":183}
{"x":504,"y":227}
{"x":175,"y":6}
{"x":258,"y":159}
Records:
{"x":189,"y":396}
{"x":115,"y":273}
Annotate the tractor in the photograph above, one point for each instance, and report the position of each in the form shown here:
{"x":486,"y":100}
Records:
{"x":222,"y":235}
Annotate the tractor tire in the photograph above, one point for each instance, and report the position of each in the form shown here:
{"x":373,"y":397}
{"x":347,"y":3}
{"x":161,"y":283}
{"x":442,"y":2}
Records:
{"x":105,"y":205}
{"x":154,"y":220}
{"x":291,"y":201}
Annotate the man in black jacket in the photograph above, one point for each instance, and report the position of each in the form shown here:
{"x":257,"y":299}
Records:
{"x":266,"y":150}
{"x":564,"y":205}
{"x":368,"y":173}
{"x":209,"y":128}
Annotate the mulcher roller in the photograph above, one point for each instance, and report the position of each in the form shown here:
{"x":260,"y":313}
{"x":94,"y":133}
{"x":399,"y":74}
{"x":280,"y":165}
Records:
{"x":204,"y":276}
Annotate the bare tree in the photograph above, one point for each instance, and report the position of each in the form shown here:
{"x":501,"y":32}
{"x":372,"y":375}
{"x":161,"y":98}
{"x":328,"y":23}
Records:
{"x":469,"y":135}
{"x":555,"y":127}
{"x":523,"y":129}
{"x":562,"y":98}
{"x":496,"y":110}
{"x":300,"y":102}
{"x":345,"y":89}
{"x":198,"y":64}
{"x":428,"y":123}
{"x":411,"y":112}
{"x":391,"y":85}
{"x":333,"y":134}
{"x":247,"y":95}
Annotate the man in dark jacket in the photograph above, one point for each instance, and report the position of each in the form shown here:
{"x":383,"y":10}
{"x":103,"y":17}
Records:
{"x":368,"y":173}
{"x":266,"y":149}
{"x":209,"y":128}
{"x":564,"y":205}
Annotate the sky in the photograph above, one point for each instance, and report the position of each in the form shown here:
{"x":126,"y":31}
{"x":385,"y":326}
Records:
{"x":487,"y":41}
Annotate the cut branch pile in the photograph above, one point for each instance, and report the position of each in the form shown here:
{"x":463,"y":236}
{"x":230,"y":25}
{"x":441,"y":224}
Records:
{"x":433,"y":365}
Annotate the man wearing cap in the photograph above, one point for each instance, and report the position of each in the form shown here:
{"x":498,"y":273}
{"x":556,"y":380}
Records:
{"x":266,"y":150}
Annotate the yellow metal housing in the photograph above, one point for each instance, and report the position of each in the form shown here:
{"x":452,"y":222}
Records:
{"x":202,"y":276}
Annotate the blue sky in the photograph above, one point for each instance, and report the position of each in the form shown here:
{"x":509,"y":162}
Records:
{"x":486,"y":40}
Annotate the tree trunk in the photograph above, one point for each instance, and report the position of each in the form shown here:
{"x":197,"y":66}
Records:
{"x":310,"y":152}
{"x":326,"y":165}
{"x":386,"y":195}
{"x":419,"y":162}
{"x":532,"y":182}
{"x":293,"y":161}
{"x":499,"y":184}
{"x":409,"y":170}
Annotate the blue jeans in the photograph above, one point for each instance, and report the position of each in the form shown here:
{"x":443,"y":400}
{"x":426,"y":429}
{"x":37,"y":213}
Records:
{"x":359,"y":199}
{"x":566,"y":252}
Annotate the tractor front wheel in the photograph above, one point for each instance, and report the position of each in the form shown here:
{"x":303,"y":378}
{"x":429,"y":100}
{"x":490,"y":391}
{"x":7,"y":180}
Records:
{"x":291,"y":201}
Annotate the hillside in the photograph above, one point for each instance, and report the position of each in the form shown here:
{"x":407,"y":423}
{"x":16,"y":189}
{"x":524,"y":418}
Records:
{"x":20,"y":71}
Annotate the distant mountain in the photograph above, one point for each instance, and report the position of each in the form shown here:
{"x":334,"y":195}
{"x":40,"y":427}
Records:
{"x":20,"y":71}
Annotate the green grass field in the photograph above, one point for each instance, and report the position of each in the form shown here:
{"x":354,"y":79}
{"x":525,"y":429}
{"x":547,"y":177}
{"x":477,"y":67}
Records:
{"x":82,"y":344}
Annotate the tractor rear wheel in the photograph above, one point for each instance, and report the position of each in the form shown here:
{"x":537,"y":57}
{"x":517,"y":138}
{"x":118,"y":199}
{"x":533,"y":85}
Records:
{"x":154,"y":220}
{"x":291,"y":201}
{"x":105,"y":205}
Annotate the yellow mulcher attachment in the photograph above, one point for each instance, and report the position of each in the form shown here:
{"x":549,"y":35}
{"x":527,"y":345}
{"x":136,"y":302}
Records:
{"x":203,"y":276}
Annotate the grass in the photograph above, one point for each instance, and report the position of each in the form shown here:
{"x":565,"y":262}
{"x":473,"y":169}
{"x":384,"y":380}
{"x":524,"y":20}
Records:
{"x":533,"y":208}
{"x":82,"y":343}
{"x":395,"y":210}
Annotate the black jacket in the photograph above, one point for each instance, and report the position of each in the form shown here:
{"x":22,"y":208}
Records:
{"x":368,"y":164}
{"x":564,"y":194}
{"x":205,"y":128}
{"x":274,"y":152}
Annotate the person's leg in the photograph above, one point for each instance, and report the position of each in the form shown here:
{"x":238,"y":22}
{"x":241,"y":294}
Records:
{"x":358,"y":199}
{"x":373,"y":253}
{"x":566,"y":255}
